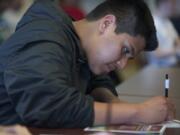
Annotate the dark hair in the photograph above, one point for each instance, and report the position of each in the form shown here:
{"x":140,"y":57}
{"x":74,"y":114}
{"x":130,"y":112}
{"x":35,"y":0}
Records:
{"x":132,"y":17}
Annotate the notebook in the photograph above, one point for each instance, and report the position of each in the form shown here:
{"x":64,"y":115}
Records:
{"x":136,"y":129}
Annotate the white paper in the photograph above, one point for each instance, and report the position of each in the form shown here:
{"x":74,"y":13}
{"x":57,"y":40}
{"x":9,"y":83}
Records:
{"x":139,"y":129}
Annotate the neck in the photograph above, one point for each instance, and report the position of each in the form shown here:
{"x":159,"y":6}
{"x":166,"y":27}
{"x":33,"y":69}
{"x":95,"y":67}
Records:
{"x":84,"y":31}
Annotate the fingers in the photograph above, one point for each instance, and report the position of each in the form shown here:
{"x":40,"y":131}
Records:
{"x":171,"y":110}
{"x":171,"y":106}
{"x":163,"y":108}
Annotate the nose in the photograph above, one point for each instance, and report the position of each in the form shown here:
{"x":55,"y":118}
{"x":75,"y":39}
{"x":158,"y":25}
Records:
{"x":122,"y":63}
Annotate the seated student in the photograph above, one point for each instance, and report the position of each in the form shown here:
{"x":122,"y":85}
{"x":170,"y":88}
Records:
{"x":169,"y":43}
{"x":53,"y":70}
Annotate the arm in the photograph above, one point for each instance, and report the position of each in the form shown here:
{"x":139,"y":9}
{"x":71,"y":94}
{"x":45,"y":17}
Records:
{"x":152,"y":111}
{"x":37,"y":80}
{"x":120,"y":113}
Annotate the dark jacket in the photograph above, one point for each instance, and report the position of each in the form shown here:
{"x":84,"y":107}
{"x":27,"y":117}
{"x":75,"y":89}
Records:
{"x":45,"y":80}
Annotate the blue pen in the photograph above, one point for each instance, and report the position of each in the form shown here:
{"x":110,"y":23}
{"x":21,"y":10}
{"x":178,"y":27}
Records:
{"x":166,"y":85}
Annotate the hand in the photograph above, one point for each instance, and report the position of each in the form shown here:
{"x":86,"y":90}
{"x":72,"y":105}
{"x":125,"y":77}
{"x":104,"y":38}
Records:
{"x":156,"y":110}
{"x":171,"y":110}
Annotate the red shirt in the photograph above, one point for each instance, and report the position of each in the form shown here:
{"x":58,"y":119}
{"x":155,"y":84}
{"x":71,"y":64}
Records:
{"x":74,"y":12}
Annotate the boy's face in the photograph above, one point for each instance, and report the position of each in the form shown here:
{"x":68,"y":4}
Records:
{"x":110,"y":51}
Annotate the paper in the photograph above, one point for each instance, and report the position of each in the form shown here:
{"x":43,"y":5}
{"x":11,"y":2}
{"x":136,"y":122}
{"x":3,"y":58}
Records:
{"x":172,"y":124}
{"x":136,"y":129}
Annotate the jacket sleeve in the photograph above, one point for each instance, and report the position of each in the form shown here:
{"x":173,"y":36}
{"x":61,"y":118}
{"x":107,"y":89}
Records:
{"x":37,"y":79}
{"x":102,"y":81}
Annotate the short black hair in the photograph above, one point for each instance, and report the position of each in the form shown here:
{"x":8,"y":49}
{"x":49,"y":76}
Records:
{"x":132,"y":17}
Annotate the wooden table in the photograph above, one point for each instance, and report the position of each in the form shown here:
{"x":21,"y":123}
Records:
{"x":147,"y":83}
{"x":36,"y":131}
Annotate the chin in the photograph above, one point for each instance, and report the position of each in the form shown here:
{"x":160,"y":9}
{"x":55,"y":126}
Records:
{"x":95,"y":70}
{"x":98,"y":71}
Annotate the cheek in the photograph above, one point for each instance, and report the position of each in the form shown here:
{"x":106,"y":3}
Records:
{"x":100,"y":56}
{"x":105,"y":55}
{"x":96,"y":60}
{"x":109,"y":54}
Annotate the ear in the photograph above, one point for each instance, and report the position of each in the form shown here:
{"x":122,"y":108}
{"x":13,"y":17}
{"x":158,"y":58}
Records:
{"x":106,"y":22}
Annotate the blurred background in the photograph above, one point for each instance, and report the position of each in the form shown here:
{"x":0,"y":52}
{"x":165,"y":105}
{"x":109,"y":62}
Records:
{"x":166,"y":14}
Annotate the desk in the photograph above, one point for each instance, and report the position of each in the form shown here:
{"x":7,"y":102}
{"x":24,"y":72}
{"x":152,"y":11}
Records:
{"x":147,"y":83}
{"x":36,"y":131}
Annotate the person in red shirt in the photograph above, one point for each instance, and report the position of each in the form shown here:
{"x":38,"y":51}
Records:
{"x":71,"y":7}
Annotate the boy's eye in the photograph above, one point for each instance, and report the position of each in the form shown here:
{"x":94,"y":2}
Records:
{"x":125,"y":51}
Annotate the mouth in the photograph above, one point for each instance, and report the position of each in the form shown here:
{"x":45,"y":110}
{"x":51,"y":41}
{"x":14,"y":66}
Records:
{"x":109,"y":68}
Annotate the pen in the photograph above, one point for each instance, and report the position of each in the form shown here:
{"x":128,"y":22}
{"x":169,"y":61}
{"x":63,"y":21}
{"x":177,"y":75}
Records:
{"x":166,"y":85}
